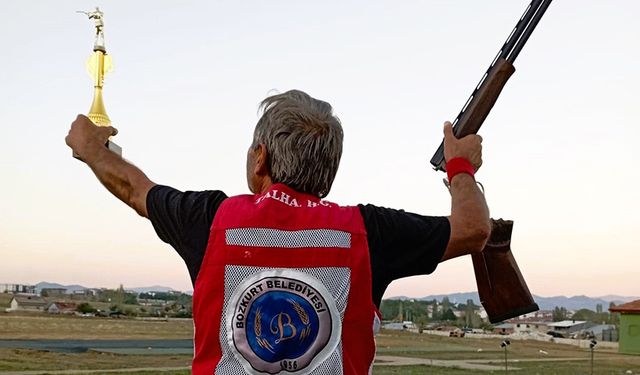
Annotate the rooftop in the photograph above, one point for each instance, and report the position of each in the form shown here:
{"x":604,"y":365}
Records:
{"x":65,"y":305}
{"x":566,"y":323}
{"x":630,"y":307}
{"x":29,"y":300}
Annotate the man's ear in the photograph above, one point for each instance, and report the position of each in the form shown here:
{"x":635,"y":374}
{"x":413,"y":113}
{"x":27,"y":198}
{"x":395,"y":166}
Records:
{"x":261,"y":165}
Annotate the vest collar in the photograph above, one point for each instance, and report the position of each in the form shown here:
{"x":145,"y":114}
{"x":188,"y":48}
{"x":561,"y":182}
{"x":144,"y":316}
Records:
{"x":282,"y":188}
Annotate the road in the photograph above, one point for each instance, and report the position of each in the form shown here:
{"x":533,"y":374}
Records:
{"x":115,"y":346}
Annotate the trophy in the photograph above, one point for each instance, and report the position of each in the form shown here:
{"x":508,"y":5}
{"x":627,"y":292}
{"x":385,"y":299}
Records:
{"x":98,"y":65}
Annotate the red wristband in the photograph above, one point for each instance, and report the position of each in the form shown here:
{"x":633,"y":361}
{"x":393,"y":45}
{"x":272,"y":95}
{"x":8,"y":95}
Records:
{"x":456,"y":166}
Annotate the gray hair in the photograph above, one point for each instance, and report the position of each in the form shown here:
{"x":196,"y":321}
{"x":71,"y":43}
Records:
{"x":303,"y":140}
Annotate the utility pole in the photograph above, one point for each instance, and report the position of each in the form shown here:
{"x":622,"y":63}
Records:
{"x":592,"y":346}
{"x":504,"y":345}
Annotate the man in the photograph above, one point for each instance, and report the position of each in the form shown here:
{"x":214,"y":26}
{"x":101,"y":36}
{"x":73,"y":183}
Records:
{"x":285,"y":281}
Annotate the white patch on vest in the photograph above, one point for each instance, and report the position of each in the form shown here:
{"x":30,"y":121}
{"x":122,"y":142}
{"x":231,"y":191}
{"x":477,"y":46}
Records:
{"x":269,"y":237}
{"x":282,"y":321}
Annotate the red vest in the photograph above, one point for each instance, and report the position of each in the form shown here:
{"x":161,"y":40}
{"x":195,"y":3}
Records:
{"x":284,"y":287}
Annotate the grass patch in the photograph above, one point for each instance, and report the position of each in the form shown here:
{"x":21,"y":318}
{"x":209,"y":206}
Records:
{"x":468,"y":347}
{"x":5,"y":301}
{"x":25,"y":359}
{"x":43,"y":326}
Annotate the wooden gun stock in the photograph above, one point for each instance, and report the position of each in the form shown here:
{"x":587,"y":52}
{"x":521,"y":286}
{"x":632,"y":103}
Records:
{"x":502,"y":289}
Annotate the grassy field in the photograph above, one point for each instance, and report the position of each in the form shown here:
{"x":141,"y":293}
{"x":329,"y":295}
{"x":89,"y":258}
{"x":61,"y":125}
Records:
{"x":42,"y":326}
{"x":20,"y":359}
{"x":528,"y":356}
{"x":5,"y":300}
{"x":442,"y":347}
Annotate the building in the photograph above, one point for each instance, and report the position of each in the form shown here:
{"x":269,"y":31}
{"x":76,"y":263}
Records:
{"x":529,"y":326}
{"x":570,"y":327}
{"x":629,"y":327}
{"x":603,"y":332}
{"x":504,"y":329}
{"x":483,"y":313}
{"x":398,"y":326}
{"x":538,"y":316}
{"x":27,"y":302}
{"x":62,"y":308}
{"x":84,"y":293}
{"x":17,"y":288}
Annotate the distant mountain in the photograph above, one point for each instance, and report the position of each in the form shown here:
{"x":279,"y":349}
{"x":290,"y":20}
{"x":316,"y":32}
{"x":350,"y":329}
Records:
{"x":613,"y":297}
{"x":545,"y":303}
{"x":578,"y":302}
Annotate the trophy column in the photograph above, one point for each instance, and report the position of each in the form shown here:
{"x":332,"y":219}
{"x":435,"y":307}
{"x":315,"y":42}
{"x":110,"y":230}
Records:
{"x":98,"y":65}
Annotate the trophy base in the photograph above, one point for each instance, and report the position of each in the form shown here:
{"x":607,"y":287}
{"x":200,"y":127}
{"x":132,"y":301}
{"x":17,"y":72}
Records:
{"x":112,"y":146}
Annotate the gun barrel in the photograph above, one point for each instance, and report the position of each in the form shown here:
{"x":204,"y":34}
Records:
{"x":509,"y":51}
{"x":528,"y":30}
{"x":519,"y":29}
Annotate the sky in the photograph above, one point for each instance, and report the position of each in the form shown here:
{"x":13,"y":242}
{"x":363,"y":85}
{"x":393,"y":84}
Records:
{"x":560,"y":150}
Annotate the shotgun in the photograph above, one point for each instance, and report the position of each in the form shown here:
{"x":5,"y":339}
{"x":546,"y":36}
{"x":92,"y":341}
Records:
{"x":502,"y":289}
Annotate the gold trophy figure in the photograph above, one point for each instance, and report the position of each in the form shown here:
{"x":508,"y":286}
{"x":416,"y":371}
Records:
{"x":98,"y":65}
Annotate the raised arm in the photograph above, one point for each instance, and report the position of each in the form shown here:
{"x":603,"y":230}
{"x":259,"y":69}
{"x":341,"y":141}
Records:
{"x":124,"y":180}
{"x":469,"y":220}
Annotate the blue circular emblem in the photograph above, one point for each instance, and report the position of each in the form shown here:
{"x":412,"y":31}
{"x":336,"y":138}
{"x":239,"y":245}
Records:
{"x":282,"y":321}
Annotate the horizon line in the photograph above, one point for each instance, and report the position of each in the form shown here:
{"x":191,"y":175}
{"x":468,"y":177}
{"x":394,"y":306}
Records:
{"x":389,"y":297}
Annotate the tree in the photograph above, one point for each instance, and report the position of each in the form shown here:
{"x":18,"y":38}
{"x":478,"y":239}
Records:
{"x":486,"y":326}
{"x":584,"y":314}
{"x":400,"y":316}
{"x":614,"y":318}
{"x":389,"y":309}
{"x":183,"y":314}
{"x":118,"y":296}
{"x":130,"y":312}
{"x":449,"y":315}
{"x":446,"y":305}
{"x":559,"y":313}
{"x":469,"y":311}
{"x":421,"y":323}
{"x":436,"y":315}
{"x":85,"y":308}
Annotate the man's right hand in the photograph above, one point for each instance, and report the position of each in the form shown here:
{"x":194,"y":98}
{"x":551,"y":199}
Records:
{"x":469,"y":147}
{"x":85,"y":137}
{"x":122,"y":179}
{"x":470,"y":226}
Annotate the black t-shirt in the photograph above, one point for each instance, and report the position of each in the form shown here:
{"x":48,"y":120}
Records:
{"x":400,"y":243}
